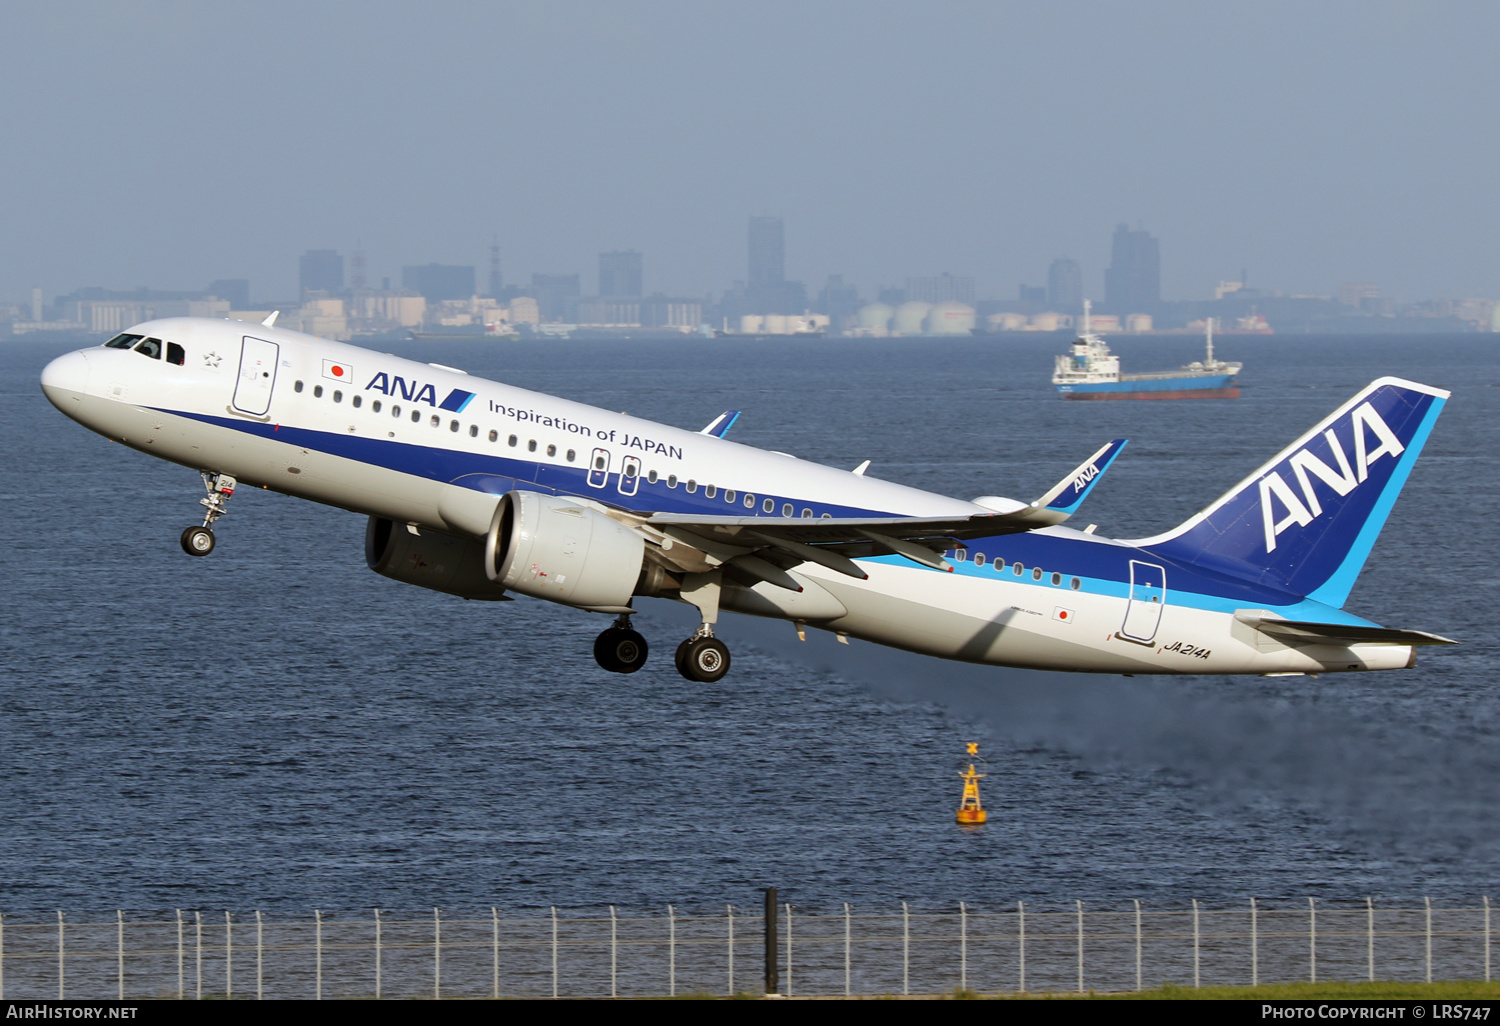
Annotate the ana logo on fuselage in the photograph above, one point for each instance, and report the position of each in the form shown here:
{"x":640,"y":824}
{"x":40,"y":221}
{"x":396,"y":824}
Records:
{"x":394,"y":385}
{"x":1304,"y":509}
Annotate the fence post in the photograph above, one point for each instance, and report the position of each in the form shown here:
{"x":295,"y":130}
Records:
{"x":198,"y":950}
{"x":773,"y":976}
{"x":1137,"y":943}
{"x":228,"y":957}
{"x":906,"y":949}
{"x":554,"y":950}
{"x":437,"y":955}
{"x":495,"y":952}
{"x":847,"y":953}
{"x":963,"y":946}
{"x":260,"y":948}
{"x":378,"y":954}
{"x":671,"y":951}
{"x":60,"y":956}
{"x":1427,"y":902}
{"x":729,"y":918}
{"x":1021,"y":937}
{"x":120,"y":948}
{"x":788,"y":908}
{"x":318,"y":947}
{"x":613,"y":953}
{"x":1486,"y":946}
{"x":1197,"y":982}
{"x":1312,"y":942}
{"x":1254,"y":946}
{"x":1370,"y":936}
{"x":181,"y":990}
{"x":1080,"y":947}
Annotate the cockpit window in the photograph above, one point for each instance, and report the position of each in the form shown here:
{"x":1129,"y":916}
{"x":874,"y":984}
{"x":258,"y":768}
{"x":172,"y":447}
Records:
{"x":150,"y":347}
{"x":175,"y":354}
{"x":122,"y":341}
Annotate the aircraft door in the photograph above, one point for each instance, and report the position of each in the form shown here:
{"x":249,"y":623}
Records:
{"x":252,"y":390}
{"x":599,"y":468}
{"x":630,"y":475}
{"x":1148,"y":593}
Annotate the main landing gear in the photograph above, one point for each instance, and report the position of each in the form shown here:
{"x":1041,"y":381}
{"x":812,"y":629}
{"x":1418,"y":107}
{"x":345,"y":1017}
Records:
{"x":199,"y":540}
{"x":702,"y":658}
{"x":621,"y":649}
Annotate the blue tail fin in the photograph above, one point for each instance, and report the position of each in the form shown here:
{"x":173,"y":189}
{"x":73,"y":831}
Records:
{"x":1306,"y":521}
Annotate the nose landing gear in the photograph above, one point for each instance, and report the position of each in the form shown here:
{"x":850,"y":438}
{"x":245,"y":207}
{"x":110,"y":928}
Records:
{"x":199,"y":541}
{"x":620,"y":649}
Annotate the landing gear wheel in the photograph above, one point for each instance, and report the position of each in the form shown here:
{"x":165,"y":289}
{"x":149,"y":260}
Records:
{"x":620,"y":650}
{"x":703,"y":659}
{"x":197,"y":541}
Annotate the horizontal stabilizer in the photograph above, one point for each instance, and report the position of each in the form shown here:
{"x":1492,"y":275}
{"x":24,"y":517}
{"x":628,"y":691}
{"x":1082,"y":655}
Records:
{"x":1302,"y":632}
{"x":720,"y":425}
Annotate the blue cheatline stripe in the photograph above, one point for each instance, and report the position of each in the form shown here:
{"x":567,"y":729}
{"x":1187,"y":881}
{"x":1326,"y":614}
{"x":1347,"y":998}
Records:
{"x":1335,"y":591}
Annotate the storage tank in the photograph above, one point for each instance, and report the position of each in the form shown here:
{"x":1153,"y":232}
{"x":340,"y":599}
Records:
{"x":875,"y":319}
{"x":750,"y":324}
{"x":776,"y":324}
{"x":951,"y":319}
{"x":911,"y":318}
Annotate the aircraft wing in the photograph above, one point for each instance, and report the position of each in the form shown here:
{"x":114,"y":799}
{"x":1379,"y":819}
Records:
{"x":835,"y":541}
{"x":1301,"y":632}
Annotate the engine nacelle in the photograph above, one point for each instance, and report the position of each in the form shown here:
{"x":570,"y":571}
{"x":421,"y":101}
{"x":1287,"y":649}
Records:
{"x":431,"y":560}
{"x":556,"y":549}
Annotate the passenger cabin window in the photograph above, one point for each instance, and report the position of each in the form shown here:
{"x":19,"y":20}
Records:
{"x":711,"y":490}
{"x":788,"y":510}
{"x":551,"y":450}
{"x":297,"y":387}
{"x":573,"y":455}
{"x":150,"y":347}
{"x":671,"y":480}
{"x":729,"y":495}
{"x":338,"y":396}
{"x":769,"y":505}
{"x":122,"y":341}
{"x":375,"y":406}
{"x":531,"y":445}
{"x":176,"y":354}
{"x":473,"y":430}
{"x":355,"y":401}
{"x":692,"y":486}
{"x":317,"y":391}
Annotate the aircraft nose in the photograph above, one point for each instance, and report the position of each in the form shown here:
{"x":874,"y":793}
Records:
{"x":66,"y":378}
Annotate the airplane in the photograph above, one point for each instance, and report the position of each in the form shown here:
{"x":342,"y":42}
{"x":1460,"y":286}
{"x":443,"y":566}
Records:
{"x":481,"y":490}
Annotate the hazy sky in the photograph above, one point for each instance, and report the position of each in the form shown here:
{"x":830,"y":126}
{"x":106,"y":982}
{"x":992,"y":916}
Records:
{"x":169,"y":143}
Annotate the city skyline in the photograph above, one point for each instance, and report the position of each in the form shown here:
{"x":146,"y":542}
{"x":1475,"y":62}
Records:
{"x":1342,"y":142}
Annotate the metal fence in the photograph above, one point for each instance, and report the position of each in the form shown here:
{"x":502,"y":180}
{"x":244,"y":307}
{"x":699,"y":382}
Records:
{"x":818,"y":952}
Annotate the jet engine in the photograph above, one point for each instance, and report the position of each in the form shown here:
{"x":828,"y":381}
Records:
{"x":556,"y":549}
{"x":440,"y":562}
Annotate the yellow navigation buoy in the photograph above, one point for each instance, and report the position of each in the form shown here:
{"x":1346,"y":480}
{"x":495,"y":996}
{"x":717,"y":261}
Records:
{"x":969,"y":810}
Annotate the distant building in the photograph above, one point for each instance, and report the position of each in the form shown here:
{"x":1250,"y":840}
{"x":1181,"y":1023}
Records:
{"x":620,"y":274}
{"x":235,"y":290}
{"x":1065,"y":286}
{"x":556,"y":295}
{"x":1035,"y":295}
{"x":1360,"y":294}
{"x":660,"y":312}
{"x":840,"y":302}
{"x":439,"y":282}
{"x":1132,"y":283}
{"x":320,"y":270}
{"x":945,"y":288}
{"x":767,"y":290}
{"x":767,"y":253}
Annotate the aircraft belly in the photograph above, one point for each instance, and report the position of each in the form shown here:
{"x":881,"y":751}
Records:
{"x":980,"y":621}
{"x":265,"y":462}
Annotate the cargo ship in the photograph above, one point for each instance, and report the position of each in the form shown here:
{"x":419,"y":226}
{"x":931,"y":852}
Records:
{"x":1091,"y":371}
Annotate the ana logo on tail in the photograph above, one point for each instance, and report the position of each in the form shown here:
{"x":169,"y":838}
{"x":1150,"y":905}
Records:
{"x":1305,"y":466}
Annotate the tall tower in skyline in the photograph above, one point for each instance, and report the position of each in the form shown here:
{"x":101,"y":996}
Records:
{"x":767,"y":253}
{"x":1065,"y":286}
{"x":1132,"y":283}
{"x":321,"y":270}
{"x":620,"y":274}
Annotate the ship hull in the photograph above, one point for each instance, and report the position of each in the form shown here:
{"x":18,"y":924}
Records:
{"x":1217,"y":386}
